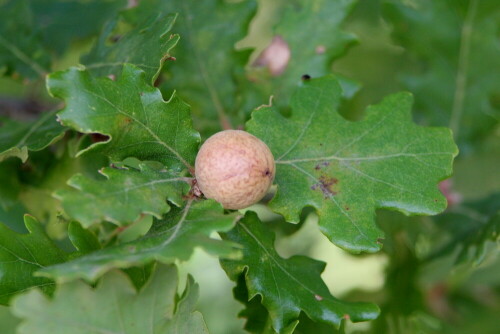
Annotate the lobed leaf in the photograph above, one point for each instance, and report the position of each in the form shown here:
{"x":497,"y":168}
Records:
{"x":122,"y":198}
{"x":17,"y":138}
{"x":138,"y":122}
{"x":30,"y":31}
{"x":312,"y":47}
{"x":21,"y":49}
{"x":23,"y":254}
{"x":147,"y":46}
{"x":174,"y":237}
{"x":456,"y":75}
{"x":206,"y":59}
{"x":114,"y":306}
{"x":347,"y":170}
{"x":470,"y":226}
{"x":260,"y":322}
{"x":287,"y":286}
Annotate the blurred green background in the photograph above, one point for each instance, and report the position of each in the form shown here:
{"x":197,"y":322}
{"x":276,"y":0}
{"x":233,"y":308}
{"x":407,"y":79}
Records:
{"x":415,"y":279}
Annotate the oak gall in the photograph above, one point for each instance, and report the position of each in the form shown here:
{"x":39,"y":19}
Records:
{"x":235,"y":168}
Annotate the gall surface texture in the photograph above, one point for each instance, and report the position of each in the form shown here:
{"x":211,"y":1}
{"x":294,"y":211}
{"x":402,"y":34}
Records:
{"x":235,"y":168}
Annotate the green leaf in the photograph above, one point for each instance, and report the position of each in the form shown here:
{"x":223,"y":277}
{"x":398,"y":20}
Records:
{"x":206,"y":58}
{"x":456,"y":78}
{"x":147,"y":46}
{"x":11,"y":185}
{"x":114,"y":306}
{"x":347,"y":170}
{"x":186,"y":319}
{"x":470,"y":226}
{"x":8,"y":323}
{"x":84,"y":240}
{"x":312,"y":46}
{"x":287,"y":286}
{"x":31,"y":30}
{"x":259,"y":321}
{"x":17,"y":138}
{"x":133,"y":114}
{"x":23,"y":254}
{"x":124,"y":197}
{"x":21,"y":49}
{"x":62,"y":21}
{"x":174,"y":237}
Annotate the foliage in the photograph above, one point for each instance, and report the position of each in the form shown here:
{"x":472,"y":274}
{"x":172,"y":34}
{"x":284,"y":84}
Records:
{"x":22,"y":255}
{"x":455,"y":44}
{"x":106,"y":164}
{"x":94,"y":310}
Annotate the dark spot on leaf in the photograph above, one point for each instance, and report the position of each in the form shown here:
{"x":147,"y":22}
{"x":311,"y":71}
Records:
{"x":380,"y":241}
{"x":115,"y":38}
{"x":347,"y":208}
{"x":306,"y":77}
{"x":320,"y":144}
{"x":326,"y":184}
{"x":435,"y":200}
{"x":323,"y":164}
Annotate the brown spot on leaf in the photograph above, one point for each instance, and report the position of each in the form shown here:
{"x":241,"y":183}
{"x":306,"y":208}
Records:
{"x":326,"y":184}
{"x":380,"y":241}
{"x":306,"y":77}
{"x":323,"y":164}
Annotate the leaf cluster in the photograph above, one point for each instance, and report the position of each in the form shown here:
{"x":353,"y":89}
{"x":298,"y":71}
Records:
{"x":108,"y":170}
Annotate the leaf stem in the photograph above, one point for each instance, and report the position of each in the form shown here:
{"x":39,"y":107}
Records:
{"x":22,"y":56}
{"x":463,"y":64}
{"x":179,"y":223}
{"x":224,"y":121}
